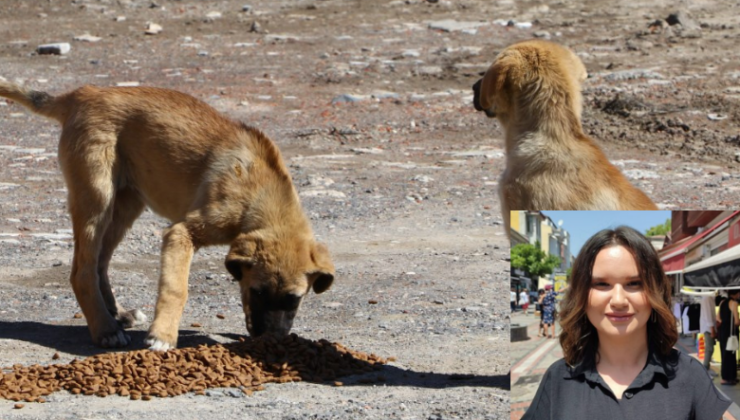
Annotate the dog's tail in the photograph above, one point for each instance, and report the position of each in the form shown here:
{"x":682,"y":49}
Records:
{"x":38,"y":102}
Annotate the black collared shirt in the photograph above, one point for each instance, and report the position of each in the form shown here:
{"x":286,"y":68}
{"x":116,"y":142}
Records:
{"x":675,"y":388}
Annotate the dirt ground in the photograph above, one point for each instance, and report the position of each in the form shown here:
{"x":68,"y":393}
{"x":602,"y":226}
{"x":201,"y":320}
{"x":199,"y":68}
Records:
{"x":370,"y":103}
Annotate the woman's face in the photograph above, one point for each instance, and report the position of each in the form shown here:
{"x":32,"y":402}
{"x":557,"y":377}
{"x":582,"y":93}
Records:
{"x":617,"y":305}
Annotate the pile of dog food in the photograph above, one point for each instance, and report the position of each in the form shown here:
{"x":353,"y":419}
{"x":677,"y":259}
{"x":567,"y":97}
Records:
{"x":143,"y":374}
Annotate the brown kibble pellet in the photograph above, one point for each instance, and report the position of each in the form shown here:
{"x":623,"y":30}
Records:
{"x":55,"y":356}
{"x":195,"y":325}
{"x":372,"y":302}
{"x":220,"y":316}
{"x":78,"y":315}
{"x":247,"y":364}
{"x":19,"y":406}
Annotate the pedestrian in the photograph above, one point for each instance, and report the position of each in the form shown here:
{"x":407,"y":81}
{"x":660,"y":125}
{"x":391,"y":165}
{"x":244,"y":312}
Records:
{"x":513,"y":299}
{"x":541,"y":332}
{"x":708,"y":326}
{"x":524,"y":300}
{"x":549,"y":301}
{"x":617,"y":339}
{"x":728,"y":326}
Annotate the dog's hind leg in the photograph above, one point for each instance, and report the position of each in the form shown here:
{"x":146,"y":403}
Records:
{"x":127,"y":207}
{"x":87,"y":161}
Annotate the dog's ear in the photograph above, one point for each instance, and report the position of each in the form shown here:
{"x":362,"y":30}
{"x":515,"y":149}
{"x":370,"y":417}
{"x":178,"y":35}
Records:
{"x":497,"y":79}
{"x":322,"y":276}
{"x":240,"y":256}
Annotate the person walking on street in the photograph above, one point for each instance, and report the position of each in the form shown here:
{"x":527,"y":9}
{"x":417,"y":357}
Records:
{"x":618,"y":336}
{"x":524,"y":301}
{"x":541,"y":332}
{"x":548,"y":308}
{"x":728,"y":326}
{"x":513,"y":299}
{"x":708,"y":326}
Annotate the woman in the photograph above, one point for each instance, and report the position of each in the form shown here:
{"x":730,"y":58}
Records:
{"x":548,"y":309}
{"x":541,"y":332}
{"x":728,"y":326}
{"x":617,"y":340}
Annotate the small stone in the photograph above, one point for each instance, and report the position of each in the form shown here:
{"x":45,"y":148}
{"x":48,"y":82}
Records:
{"x":211,"y":16}
{"x":18,"y":406}
{"x":56,"y":264}
{"x":256,"y":27}
{"x":153,"y":28}
{"x":120,"y":18}
{"x":54,"y":49}
{"x":246,"y":8}
{"x":542,"y":34}
{"x":55,"y":356}
{"x":87,"y":38}
{"x":214,"y":394}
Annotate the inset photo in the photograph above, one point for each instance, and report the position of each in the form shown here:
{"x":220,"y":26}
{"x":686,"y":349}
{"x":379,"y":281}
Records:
{"x":625,"y":315}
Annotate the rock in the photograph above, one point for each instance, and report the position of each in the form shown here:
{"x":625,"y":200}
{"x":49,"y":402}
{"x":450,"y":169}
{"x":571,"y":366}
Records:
{"x":87,"y":38}
{"x":55,"y":49}
{"x":120,"y":18}
{"x":633,"y":74}
{"x":363,"y":151}
{"x":542,"y":34}
{"x":127,"y":84}
{"x":153,"y":28}
{"x":681,"y":18}
{"x":449,"y":25}
{"x":345,"y":98}
{"x":246,"y":8}
{"x":716,"y":117}
{"x":256,"y":27}
{"x":640,"y":174}
{"x":210,"y":393}
{"x":422,"y":178}
{"x":211,"y":16}
{"x":411,"y":53}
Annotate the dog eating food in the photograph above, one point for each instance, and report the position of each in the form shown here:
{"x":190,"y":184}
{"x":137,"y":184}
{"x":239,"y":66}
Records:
{"x":143,"y":374}
{"x":218,"y":181}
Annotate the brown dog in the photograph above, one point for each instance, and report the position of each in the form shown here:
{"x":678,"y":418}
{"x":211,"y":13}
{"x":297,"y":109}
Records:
{"x":218,"y":181}
{"x":534,"y":89}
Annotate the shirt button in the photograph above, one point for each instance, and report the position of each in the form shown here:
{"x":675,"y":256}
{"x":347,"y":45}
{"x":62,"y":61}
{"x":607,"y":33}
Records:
{"x":628,"y":395}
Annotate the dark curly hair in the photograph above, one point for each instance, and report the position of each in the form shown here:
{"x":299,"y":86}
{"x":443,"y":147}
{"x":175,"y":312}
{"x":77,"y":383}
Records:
{"x":579,"y":339}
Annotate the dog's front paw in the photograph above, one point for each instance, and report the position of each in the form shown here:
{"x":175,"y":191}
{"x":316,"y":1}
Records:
{"x":115,"y":340}
{"x":128,"y":319}
{"x":156,"y":344}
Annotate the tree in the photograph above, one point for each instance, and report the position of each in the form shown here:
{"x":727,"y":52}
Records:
{"x":531,"y":259}
{"x":661,"y":229}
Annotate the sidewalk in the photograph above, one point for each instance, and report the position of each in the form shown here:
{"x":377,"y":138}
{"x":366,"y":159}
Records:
{"x":532,"y":357}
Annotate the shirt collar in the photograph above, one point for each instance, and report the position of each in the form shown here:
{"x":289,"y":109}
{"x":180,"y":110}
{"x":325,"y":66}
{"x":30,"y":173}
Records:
{"x":653,"y":366}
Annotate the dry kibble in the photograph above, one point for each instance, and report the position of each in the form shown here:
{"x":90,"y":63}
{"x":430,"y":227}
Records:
{"x":78,"y":315}
{"x":220,"y":316}
{"x":55,"y":356}
{"x":142,"y":374}
{"x":18,"y":406}
{"x":195,"y":325}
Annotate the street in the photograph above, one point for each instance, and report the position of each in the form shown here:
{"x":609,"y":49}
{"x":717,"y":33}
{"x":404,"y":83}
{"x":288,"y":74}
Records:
{"x":532,"y":357}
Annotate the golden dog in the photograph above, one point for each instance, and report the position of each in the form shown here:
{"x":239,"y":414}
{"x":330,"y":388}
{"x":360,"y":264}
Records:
{"x":534,"y":89}
{"x":218,"y":181}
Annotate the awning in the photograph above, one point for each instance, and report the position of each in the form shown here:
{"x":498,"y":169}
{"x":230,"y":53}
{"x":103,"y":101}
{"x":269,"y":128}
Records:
{"x":672,"y":257}
{"x":721,"y":271}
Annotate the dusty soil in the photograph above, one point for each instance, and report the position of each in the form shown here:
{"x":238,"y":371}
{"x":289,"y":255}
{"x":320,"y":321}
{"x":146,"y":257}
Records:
{"x":371,"y":107}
